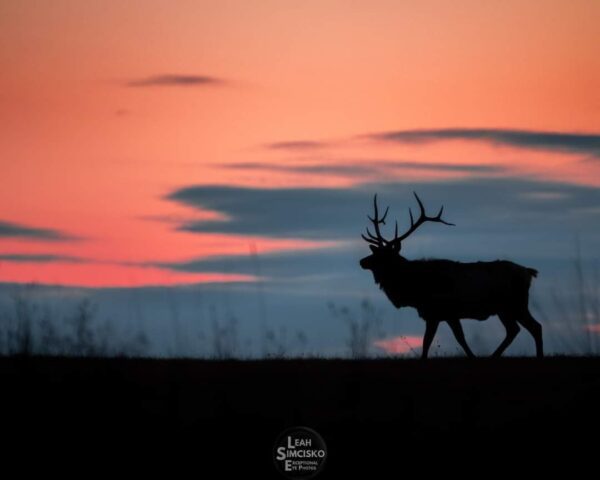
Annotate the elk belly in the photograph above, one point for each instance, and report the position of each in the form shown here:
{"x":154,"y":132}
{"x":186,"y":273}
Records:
{"x":444,"y":308}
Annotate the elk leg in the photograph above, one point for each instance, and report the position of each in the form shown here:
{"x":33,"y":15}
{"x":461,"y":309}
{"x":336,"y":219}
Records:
{"x":430,"y":329}
{"x":512,"y":328}
{"x":457,"y":330}
{"x":534,"y":327}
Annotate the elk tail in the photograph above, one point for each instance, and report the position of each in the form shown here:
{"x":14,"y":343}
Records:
{"x":533,"y":272}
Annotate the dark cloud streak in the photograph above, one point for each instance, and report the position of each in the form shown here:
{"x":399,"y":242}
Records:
{"x":175,"y":80}
{"x":278,"y":265}
{"x":478,"y":204}
{"x":530,"y":139}
{"x":38,"y":258}
{"x":8,"y":229}
{"x":365,"y":167}
{"x":296,"y":145}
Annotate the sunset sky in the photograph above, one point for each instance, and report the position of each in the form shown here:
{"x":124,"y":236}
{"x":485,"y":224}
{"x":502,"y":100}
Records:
{"x":169,"y":143}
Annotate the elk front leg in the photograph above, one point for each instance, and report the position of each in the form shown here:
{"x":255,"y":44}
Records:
{"x":512,"y":328}
{"x":431,"y":327}
{"x":457,"y":330}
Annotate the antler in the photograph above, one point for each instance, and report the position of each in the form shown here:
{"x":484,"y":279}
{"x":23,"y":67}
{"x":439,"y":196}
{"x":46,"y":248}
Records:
{"x":378,"y":238}
{"x":420,"y":221}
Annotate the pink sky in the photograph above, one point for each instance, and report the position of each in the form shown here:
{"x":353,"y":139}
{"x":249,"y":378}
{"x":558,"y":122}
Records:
{"x":87,"y":152}
{"x":400,"y":345}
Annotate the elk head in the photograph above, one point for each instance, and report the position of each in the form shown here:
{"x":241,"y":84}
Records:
{"x":386,"y":253}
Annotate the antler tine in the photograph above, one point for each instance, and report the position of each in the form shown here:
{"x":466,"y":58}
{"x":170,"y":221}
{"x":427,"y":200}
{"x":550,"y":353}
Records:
{"x":376,"y":219}
{"x":422,"y":219}
{"x":377,"y":238}
{"x":373,"y":237}
{"x":384,"y":215}
{"x":369,"y":240}
{"x":375,"y":209}
{"x":439,"y":218}
{"x":420,"y":204}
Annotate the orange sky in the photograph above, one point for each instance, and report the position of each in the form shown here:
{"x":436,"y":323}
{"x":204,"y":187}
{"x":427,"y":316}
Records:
{"x":85,"y":153}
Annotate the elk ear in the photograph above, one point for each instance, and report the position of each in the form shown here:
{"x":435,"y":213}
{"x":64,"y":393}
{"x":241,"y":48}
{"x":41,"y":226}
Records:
{"x":397,"y":247}
{"x":373,"y":248}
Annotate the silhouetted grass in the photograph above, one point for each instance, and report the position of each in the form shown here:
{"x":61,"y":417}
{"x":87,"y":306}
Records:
{"x":32,"y":329}
{"x":373,"y":413}
{"x":572,"y":318}
{"x":363,"y":328}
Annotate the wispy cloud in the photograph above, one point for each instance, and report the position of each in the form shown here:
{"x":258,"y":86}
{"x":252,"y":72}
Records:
{"x":38,"y":258}
{"x":400,"y":345}
{"x":9,"y":229}
{"x":581,"y":143}
{"x":296,"y":145}
{"x":273,"y":265}
{"x":175,"y":80}
{"x":362,"y":168}
{"x":487,"y":204}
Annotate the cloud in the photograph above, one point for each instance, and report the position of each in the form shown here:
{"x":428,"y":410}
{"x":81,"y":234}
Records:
{"x":362,"y":168}
{"x":296,"y":145}
{"x":295,"y":212}
{"x":476,"y":205}
{"x":580,"y":143}
{"x":275,"y":265}
{"x":175,"y":80}
{"x":8,"y":229}
{"x":400,"y":345}
{"x":38,"y":258}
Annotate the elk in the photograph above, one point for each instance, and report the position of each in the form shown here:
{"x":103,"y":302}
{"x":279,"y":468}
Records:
{"x":448,"y":291}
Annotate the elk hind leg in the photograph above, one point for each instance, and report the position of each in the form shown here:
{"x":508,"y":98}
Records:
{"x":535,"y":328}
{"x":430,"y":329}
{"x":457,"y":330}
{"x":512,"y":329}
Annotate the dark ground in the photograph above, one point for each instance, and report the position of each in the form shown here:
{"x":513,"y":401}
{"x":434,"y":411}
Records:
{"x":375,"y":415}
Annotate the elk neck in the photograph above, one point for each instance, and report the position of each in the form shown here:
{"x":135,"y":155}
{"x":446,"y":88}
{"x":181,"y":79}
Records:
{"x":394,"y":279}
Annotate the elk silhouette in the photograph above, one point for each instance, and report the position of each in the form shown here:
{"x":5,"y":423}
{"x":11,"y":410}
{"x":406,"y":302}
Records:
{"x":446,"y":290}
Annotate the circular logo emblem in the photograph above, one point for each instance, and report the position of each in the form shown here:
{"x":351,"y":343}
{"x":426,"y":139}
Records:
{"x":299,"y":452}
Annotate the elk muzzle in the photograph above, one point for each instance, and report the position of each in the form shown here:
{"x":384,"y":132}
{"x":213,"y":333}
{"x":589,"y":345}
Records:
{"x":365,"y":263}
